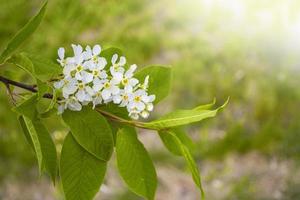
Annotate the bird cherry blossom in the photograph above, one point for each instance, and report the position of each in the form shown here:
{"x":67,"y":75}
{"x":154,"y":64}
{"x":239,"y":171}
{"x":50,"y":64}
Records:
{"x":87,"y":80}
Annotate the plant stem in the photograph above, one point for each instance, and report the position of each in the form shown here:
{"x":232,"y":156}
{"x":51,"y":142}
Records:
{"x":30,"y":88}
{"x":113,"y":117}
{"x":122,"y":120}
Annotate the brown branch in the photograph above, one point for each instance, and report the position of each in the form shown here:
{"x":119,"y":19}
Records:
{"x":24,"y":86}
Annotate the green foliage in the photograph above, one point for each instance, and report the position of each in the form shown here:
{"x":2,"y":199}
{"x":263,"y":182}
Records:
{"x":134,"y":164}
{"x":185,"y":152}
{"x":159,"y":80}
{"x":171,"y":144}
{"x":39,"y":68}
{"x":92,"y":136}
{"x":81,"y":172}
{"x":38,"y":136}
{"x":206,"y":106}
{"x":183,"y":117}
{"x":91,"y":131}
{"x":44,"y":69}
{"x":23,"y":34}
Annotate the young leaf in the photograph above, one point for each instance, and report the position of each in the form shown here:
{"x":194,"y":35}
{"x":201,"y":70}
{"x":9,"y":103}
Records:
{"x":23,"y":34}
{"x":189,"y":159}
{"x":134,"y":164}
{"x":81,"y":173}
{"x":171,"y":145}
{"x":91,"y":131}
{"x":182,"y":117}
{"x":206,"y":106}
{"x":159,"y":80}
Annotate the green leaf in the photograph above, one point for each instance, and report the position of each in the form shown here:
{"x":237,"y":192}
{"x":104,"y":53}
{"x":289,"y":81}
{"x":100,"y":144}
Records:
{"x":48,"y":150}
{"x":91,"y":131}
{"x":118,"y":111}
{"x":23,"y":34}
{"x":23,"y":62}
{"x":27,"y":107}
{"x":81,"y":173}
{"x":38,"y":136}
{"x":171,"y":145}
{"x":29,"y":128}
{"x":159,"y":80}
{"x":43,"y":145}
{"x":206,"y":106}
{"x":189,"y":159}
{"x":44,"y":69}
{"x":134,"y":164}
{"x":25,"y":131}
{"x":38,"y":67}
{"x":183,"y":117}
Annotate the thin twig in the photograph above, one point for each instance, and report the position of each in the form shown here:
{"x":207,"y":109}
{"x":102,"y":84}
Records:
{"x":10,"y":93}
{"x":24,"y":86}
{"x":122,"y":120}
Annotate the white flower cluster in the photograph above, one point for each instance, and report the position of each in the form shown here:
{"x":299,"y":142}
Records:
{"x":88,"y":79}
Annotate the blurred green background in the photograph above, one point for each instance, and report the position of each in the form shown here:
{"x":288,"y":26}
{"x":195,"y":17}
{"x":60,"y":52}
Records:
{"x":247,"y":49}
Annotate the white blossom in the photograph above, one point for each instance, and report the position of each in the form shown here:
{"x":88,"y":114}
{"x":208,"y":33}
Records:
{"x":110,"y":88}
{"x":117,"y":68}
{"x":61,"y":56}
{"x":86,"y":81}
{"x":128,"y":81}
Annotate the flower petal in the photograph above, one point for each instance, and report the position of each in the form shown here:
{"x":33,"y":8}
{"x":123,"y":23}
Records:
{"x":140,"y":106}
{"x":75,"y":106}
{"x":96,"y":50}
{"x":117,"y":99}
{"x":101,"y":63}
{"x":81,"y":95}
{"x":130,"y":71}
{"x":61,"y":53}
{"x":122,"y":61}
{"x":106,"y":94}
{"x":114,"y":89}
{"x":58,"y":84}
{"x":133,"y":81}
{"x":87,"y":77}
{"x":97,"y":85}
{"x":114,"y":58}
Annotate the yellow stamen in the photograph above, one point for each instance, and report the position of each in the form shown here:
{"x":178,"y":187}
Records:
{"x":137,"y":98}
{"x":106,"y":85}
{"x":125,"y":81}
